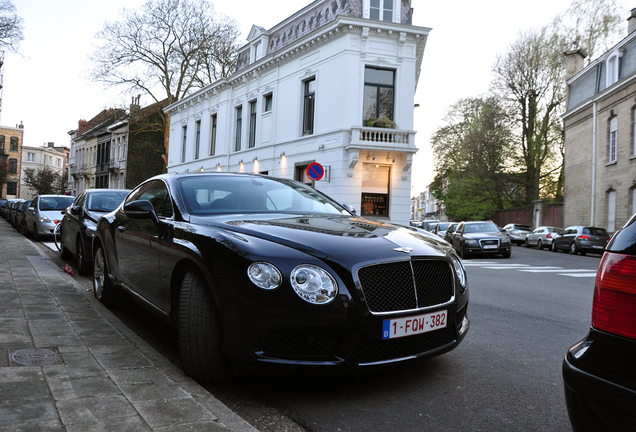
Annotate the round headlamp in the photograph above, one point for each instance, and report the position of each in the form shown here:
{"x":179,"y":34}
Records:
{"x":313,"y":284}
{"x":264,"y":275}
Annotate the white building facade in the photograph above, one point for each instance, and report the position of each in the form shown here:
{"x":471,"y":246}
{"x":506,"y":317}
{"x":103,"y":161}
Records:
{"x":311,"y":90}
{"x":35,"y":158}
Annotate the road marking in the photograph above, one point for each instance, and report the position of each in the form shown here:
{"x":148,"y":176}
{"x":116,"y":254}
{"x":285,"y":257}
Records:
{"x":560,"y":271}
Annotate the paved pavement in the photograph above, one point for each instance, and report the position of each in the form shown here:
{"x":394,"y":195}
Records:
{"x":68,"y":364}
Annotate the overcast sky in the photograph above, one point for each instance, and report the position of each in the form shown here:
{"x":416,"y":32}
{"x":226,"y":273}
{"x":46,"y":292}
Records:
{"x":47,"y":86}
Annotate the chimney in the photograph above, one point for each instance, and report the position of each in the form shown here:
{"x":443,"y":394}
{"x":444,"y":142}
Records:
{"x":82,"y":127}
{"x":51,"y":144}
{"x":574,"y":62}
{"x":631,"y":22}
{"x":134,"y":106}
{"x":21,"y":125}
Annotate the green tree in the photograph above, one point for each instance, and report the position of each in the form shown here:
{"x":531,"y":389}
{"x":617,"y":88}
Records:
{"x":44,"y":180}
{"x":471,"y":152}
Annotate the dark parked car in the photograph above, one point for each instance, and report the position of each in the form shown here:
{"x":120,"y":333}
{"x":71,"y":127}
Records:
{"x":80,"y":220}
{"x":426,"y":223}
{"x":581,"y":239}
{"x":44,"y":213}
{"x":448,"y":236}
{"x":255,"y":270}
{"x":480,"y":238}
{"x":517,"y":233}
{"x":440,"y":229}
{"x":599,"y":372}
{"x":542,"y":236}
{"x":13,"y":210}
{"x":20,"y":217}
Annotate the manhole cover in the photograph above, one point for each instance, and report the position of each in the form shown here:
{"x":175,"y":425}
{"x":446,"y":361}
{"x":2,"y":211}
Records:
{"x":34,"y":357}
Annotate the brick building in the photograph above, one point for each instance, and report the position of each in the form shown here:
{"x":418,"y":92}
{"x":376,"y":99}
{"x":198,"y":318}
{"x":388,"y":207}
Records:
{"x":11,"y":148}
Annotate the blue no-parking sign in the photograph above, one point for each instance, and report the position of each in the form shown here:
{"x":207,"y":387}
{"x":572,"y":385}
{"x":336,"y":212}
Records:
{"x":315,"y":171}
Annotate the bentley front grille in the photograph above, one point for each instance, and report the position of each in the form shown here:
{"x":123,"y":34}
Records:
{"x":406,"y":285}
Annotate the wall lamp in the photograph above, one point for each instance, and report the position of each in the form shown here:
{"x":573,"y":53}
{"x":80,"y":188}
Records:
{"x":255,"y":159}
{"x":282,"y":154}
{"x":241,"y":162}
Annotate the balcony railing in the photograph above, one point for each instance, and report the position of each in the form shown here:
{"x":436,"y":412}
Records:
{"x":380,"y":137}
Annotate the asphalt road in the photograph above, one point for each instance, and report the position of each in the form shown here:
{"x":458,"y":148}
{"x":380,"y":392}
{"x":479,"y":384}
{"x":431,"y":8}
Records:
{"x":506,"y":376}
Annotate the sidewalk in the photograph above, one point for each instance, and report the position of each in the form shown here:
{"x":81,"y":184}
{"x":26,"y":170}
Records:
{"x":68,"y":364}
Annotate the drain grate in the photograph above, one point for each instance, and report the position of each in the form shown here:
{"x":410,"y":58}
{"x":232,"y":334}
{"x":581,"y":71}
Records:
{"x":34,"y":357}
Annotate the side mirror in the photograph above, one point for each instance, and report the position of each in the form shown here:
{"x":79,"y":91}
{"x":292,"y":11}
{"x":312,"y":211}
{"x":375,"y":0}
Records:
{"x":350,"y":209}
{"x":76,"y":210}
{"x":141,"y":209}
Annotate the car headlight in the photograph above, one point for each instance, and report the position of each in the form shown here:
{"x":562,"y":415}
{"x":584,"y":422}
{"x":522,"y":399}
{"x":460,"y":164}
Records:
{"x":44,"y":219}
{"x":460,"y":271}
{"x":264,"y":275}
{"x":505,"y":240}
{"x":313,"y":284}
{"x":472,"y":242}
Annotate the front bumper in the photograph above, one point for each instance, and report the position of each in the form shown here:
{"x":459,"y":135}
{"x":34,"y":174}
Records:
{"x":599,"y":384}
{"x":45,"y":228}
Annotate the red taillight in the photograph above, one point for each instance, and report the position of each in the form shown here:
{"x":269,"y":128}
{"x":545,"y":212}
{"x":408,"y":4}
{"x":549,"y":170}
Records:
{"x":549,"y":235}
{"x":56,"y":222}
{"x":583,"y":237}
{"x":614,"y":308}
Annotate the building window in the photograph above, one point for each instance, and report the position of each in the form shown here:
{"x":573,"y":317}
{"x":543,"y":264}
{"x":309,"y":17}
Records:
{"x":379,"y":90}
{"x":239,"y":126}
{"x":300,"y":175}
{"x":252,"y":140}
{"x":57,"y":163}
{"x":197,"y":139}
{"x":612,"y":68}
{"x":12,"y":188}
{"x":2,"y":140}
{"x":256,"y":51}
{"x":213,"y":134}
{"x":381,"y":10}
{"x":613,"y":136}
{"x":375,"y":190}
{"x":13,"y":146}
{"x":611,"y":211}
{"x":184,"y":139}
{"x":267,"y":105}
{"x":13,"y":166}
{"x":309,"y":106}
{"x":30,"y":157}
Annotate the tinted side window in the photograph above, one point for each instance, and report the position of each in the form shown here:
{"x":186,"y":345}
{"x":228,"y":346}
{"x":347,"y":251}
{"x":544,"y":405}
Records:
{"x":157,"y":193}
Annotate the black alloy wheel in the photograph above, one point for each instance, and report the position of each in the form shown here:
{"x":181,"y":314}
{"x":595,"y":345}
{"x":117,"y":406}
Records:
{"x":539,"y":244}
{"x":102,"y":286}
{"x":199,"y":332}
{"x":80,"y":257}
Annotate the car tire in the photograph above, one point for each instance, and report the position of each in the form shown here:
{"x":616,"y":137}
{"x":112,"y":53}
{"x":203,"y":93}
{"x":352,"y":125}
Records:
{"x":103,"y":289}
{"x":36,"y":237}
{"x":539,"y":244}
{"x":199,"y":332}
{"x":582,"y":253}
{"x":553,"y":247}
{"x":573,"y":249}
{"x":506,"y":254}
{"x":22,"y":229}
{"x":65,"y":254}
{"x":526,"y":243}
{"x":80,"y":257}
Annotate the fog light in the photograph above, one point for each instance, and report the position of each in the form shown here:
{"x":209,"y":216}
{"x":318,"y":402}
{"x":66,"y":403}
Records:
{"x":463,"y":327}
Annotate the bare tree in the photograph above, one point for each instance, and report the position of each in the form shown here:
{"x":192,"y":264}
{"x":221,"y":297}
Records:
{"x":591,"y":25}
{"x":10,"y":26}
{"x":165,"y":49}
{"x":530,"y":76}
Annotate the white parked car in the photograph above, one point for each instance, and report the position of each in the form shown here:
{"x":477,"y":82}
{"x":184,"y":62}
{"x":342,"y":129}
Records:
{"x":542,"y":236}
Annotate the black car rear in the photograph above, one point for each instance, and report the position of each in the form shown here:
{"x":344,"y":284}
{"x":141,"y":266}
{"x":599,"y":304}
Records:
{"x":599,"y":372}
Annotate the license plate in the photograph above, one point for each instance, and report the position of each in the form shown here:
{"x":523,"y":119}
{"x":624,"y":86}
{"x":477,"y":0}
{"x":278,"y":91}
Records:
{"x":408,"y":326}
{"x":489,"y":246}
{"x":598,"y":247}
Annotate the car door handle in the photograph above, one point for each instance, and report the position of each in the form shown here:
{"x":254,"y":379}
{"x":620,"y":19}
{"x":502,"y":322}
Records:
{"x":121,"y":228}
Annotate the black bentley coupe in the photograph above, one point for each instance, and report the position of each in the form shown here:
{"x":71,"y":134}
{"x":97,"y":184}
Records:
{"x":255,"y":270}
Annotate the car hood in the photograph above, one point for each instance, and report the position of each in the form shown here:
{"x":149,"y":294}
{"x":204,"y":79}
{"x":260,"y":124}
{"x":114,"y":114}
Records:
{"x":336,"y":237}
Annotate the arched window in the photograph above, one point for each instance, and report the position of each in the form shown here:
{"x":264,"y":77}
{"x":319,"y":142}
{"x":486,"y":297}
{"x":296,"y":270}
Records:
{"x":612,"y":67}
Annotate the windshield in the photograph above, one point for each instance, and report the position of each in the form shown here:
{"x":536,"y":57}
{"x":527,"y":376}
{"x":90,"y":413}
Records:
{"x":55,"y":203}
{"x":480,"y":227}
{"x":212,"y":194}
{"x":105,"y":201}
{"x":443,"y":226}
